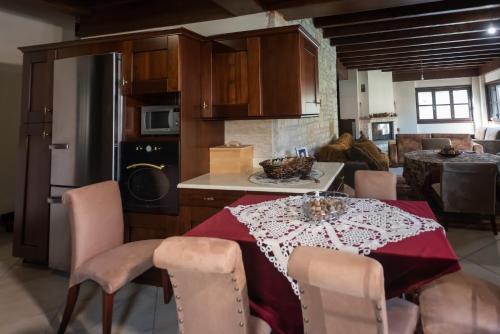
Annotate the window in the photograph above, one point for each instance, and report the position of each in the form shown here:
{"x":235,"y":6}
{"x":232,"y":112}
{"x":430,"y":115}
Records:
{"x":444,"y":104}
{"x":493,"y":97}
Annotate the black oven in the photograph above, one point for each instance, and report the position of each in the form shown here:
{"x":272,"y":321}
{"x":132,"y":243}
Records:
{"x":149,"y":176}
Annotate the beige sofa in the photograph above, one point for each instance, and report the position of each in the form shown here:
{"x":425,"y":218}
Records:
{"x":405,"y":143}
{"x":488,"y":138}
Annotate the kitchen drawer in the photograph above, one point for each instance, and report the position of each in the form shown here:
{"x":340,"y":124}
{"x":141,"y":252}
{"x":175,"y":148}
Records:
{"x":209,"y":198}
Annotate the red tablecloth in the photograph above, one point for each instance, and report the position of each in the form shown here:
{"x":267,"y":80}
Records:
{"x":408,"y":264}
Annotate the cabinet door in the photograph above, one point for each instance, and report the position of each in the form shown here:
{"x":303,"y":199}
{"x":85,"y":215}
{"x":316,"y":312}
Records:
{"x":151,"y":65}
{"x":31,"y":229}
{"x":309,"y":80}
{"x":37,"y":87}
{"x":280,"y":75}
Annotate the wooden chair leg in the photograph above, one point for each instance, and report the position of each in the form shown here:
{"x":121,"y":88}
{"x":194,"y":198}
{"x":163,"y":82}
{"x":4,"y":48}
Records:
{"x":70,"y":306}
{"x":167,"y":286}
{"x":107,"y":312}
{"x":493,"y":220}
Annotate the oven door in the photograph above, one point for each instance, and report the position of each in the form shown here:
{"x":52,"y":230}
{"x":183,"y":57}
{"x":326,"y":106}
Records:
{"x":148,"y":187}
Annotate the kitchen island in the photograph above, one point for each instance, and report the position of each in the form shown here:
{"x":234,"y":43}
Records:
{"x":203,"y":196}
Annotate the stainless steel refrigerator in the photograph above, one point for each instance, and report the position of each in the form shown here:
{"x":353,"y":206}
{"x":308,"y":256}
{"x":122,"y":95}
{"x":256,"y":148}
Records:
{"x":86,"y":130}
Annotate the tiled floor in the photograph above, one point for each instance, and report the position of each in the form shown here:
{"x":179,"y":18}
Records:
{"x":32,"y":298}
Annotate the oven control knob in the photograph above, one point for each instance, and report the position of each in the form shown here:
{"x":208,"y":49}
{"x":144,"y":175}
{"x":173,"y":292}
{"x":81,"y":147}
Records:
{"x":148,"y":148}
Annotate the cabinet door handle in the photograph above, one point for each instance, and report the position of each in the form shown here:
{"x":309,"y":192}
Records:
{"x":54,"y":200}
{"x":58,"y":146}
{"x":204,"y":105}
{"x":124,"y":82}
{"x":46,"y":110}
{"x":45,"y":133}
{"x":208,"y":198}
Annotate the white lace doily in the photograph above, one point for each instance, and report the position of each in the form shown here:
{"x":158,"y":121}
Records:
{"x":280,"y":225}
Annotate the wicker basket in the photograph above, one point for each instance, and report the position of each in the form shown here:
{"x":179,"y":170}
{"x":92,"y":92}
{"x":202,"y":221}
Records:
{"x":287,"y":167}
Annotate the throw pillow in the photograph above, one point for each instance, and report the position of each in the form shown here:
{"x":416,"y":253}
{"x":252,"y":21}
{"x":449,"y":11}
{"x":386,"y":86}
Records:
{"x":346,"y":140}
{"x":368,"y":152}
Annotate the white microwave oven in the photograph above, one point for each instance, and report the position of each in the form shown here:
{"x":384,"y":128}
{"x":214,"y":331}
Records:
{"x":159,"y":120}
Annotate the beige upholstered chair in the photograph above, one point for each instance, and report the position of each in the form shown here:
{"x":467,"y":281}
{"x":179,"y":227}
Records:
{"x":209,"y":283}
{"x":468,"y":188}
{"x":435,"y":143}
{"x":375,"y":184}
{"x":98,"y":251}
{"x":460,"y":304}
{"x":344,"y":293}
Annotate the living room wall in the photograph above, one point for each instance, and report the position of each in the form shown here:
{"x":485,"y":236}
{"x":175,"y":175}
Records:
{"x":405,"y":106}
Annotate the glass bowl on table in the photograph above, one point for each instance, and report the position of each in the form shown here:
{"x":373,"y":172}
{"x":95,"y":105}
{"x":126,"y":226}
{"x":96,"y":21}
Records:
{"x":323,"y":205}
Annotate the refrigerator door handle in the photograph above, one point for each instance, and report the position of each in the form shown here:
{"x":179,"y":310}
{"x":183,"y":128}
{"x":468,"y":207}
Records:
{"x":54,"y":200}
{"x":58,"y":146}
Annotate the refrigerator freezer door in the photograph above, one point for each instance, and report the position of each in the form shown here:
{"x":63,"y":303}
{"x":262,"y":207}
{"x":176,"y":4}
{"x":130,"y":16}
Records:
{"x":85,"y":122}
{"x":59,"y":244}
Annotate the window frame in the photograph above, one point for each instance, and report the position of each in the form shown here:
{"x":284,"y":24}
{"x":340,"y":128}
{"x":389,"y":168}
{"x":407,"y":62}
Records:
{"x":489,"y":102}
{"x":450,"y":90}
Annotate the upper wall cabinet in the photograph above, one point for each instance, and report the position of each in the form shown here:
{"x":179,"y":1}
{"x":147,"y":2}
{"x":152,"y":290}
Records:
{"x":270,"y":73}
{"x":150,"y":65}
{"x":37,"y":86}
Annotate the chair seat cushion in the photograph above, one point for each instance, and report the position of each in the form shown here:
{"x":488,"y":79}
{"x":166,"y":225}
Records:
{"x":402,"y":316}
{"x":258,"y":326}
{"x":458,"y":303}
{"x":115,"y":268}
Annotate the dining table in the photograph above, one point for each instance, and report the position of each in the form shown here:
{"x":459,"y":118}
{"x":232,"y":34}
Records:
{"x":408,"y":264}
{"x":423,"y":167}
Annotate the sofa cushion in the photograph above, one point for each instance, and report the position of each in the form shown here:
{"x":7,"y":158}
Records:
{"x":492,"y":133}
{"x":368,"y":152}
{"x":332,"y":153}
{"x":461,"y":141}
{"x":409,"y":143}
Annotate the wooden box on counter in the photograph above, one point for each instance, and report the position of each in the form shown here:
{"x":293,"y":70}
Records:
{"x":231,"y":159}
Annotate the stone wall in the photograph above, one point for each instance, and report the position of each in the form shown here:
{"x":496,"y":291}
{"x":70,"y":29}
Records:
{"x":272,"y":138}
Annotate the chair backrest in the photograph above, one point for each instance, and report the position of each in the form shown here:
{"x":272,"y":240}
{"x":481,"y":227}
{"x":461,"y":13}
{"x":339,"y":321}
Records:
{"x":340,"y":292}
{"x":375,"y":184}
{"x":469,"y":187}
{"x":96,"y":220}
{"x":435,"y":143}
{"x":208,"y":279}
{"x":409,"y":143}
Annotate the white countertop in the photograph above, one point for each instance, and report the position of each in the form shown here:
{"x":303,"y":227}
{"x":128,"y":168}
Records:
{"x":240,"y":182}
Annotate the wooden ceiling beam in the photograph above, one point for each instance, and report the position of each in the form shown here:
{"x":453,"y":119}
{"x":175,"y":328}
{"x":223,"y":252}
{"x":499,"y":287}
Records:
{"x":421,"y":41}
{"x":415,"y":33}
{"x":414,"y":22}
{"x":490,"y":66}
{"x":424,"y":67}
{"x":410,"y":50}
{"x":418,"y":60}
{"x":418,"y":10}
{"x":440,"y":52}
{"x":456,"y":72}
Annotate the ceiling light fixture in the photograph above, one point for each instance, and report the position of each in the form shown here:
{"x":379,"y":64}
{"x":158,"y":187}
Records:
{"x":491,"y":30}
{"x":421,"y":71}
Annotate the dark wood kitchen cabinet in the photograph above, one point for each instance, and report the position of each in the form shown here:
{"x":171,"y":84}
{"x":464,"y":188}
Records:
{"x":151,"y":65}
{"x":31,"y":226}
{"x":37,"y":86}
{"x":268,"y":73}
